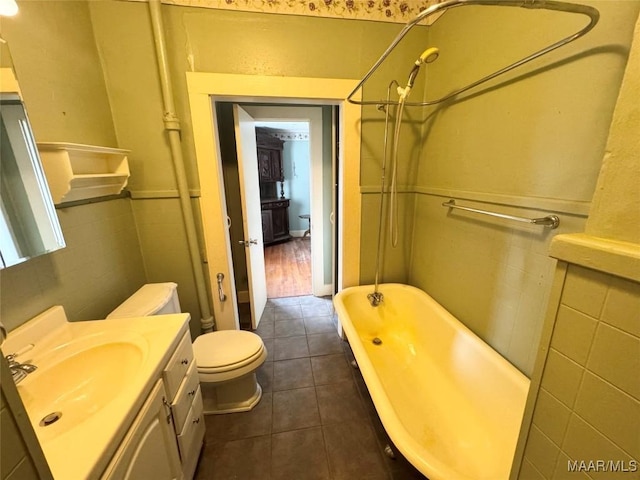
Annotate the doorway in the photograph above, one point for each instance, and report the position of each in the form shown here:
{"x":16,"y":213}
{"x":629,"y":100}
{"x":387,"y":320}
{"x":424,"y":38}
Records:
{"x":204,"y":90}
{"x":294,"y":166}
{"x":307,"y":166}
{"x":283,"y":147}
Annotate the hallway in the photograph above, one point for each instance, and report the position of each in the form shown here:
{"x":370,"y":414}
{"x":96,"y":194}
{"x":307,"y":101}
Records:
{"x":288,"y":268}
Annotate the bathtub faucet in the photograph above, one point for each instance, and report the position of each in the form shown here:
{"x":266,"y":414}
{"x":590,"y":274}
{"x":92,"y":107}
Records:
{"x":375,"y":298}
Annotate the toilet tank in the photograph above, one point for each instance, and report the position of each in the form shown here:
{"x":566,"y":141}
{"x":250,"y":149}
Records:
{"x":150,"y":299}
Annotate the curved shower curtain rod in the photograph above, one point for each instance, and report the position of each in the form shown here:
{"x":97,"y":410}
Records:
{"x":591,"y":12}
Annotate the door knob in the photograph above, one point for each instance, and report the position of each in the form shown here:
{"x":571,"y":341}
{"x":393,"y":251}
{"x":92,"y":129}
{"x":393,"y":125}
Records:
{"x":252,"y":241}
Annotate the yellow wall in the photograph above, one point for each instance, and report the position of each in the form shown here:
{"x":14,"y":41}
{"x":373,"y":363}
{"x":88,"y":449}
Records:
{"x":222,"y":42}
{"x":584,"y":402}
{"x":61,"y":79}
{"x":615,"y":212}
{"x":108,"y":93}
{"x":59,"y":71}
{"x":527,"y":144}
{"x":504,"y":141}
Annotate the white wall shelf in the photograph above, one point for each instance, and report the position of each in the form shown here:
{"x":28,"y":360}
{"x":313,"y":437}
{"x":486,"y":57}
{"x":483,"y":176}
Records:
{"x":77,"y":172}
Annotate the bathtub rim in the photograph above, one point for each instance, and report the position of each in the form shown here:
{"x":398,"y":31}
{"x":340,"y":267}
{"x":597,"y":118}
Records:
{"x":401,"y":438}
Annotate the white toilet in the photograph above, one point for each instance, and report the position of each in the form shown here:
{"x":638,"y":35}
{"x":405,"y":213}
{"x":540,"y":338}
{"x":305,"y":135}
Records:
{"x":226,"y":359}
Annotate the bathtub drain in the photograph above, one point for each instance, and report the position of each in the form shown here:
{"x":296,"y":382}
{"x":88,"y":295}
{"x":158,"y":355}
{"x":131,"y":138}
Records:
{"x":49,"y":419}
{"x":377,"y":341}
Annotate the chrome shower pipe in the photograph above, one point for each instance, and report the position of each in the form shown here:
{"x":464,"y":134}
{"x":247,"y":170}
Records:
{"x":375,"y":298}
{"x":590,"y":12}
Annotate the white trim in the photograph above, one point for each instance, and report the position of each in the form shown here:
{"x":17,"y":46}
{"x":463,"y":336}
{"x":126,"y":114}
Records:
{"x":203,"y":89}
{"x":297,"y":233}
{"x":609,"y":256}
{"x":324,"y":291}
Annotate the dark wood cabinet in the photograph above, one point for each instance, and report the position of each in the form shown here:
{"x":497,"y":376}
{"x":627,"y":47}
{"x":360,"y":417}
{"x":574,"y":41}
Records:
{"x":267,"y":226}
{"x":275,"y":221}
{"x":270,"y":165}
{"x":269,"y":157}
{"x":275,"y":211}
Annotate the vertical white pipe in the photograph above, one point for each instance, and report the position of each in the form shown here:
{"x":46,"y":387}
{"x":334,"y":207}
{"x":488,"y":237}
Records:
{"x":172,"y":126}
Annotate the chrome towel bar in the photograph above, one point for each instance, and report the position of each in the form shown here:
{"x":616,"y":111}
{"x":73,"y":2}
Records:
{"x":550,"y":221}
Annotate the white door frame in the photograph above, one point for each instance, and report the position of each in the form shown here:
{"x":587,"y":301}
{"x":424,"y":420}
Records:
{"x":206,"y":88}
{"x":313,"y":115}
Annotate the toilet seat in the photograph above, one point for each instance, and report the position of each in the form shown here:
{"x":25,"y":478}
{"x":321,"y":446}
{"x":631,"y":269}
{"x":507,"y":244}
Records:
{"x":227,"y":354}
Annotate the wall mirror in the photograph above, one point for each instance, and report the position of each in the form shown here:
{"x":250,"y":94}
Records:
{"x":28,"y":222}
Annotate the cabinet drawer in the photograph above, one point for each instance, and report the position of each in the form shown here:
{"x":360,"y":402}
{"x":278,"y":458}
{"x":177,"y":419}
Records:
{"x":184,"y":398}
{"x":272,"y":205}
{"x":178,"y":366}
{"x":192,"y":434}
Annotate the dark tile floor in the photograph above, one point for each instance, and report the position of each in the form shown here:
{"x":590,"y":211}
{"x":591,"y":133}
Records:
{"x":315,"y":421}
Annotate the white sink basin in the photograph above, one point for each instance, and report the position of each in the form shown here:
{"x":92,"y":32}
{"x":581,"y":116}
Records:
{"x":69,"y":387}
{"x":91,"y":379}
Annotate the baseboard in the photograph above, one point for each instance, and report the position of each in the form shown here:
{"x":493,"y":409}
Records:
{"x":296,"y":233}
{"x":323,"y":290}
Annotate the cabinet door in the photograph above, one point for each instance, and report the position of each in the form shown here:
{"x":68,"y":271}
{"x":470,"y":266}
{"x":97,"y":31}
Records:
{"x":267,"y":227}
{"x":264,"y":165}
{"x":149,"y":449}
{"x":276,"y":165}
{"x":280,"y":222}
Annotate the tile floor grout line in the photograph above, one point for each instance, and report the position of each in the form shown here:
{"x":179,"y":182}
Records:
{"x":324,"y":441}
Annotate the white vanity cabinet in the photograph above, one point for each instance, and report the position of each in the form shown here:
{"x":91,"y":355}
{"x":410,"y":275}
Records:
{"x":165,"y":439}
{"x":149,"y":448}
{"x":183,"y":388}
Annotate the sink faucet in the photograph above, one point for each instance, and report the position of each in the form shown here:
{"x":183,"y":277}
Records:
{"x":20,"y":370}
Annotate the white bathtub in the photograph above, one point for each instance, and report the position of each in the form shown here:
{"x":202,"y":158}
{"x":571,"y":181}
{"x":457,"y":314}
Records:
{"x":450,"y":403}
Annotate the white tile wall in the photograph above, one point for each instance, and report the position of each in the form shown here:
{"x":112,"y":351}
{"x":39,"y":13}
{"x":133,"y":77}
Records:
{"x":588,"y":407}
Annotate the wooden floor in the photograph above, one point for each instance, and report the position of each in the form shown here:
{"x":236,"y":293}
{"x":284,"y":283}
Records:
{"x":288,"y":268}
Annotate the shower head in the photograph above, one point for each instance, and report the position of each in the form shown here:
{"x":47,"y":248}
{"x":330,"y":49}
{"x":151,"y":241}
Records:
{"x":428,"y":56}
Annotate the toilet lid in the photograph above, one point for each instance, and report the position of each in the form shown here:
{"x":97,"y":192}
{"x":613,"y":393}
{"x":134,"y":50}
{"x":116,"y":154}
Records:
{"x":225,"y":348}
{"x":146,"y":301}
